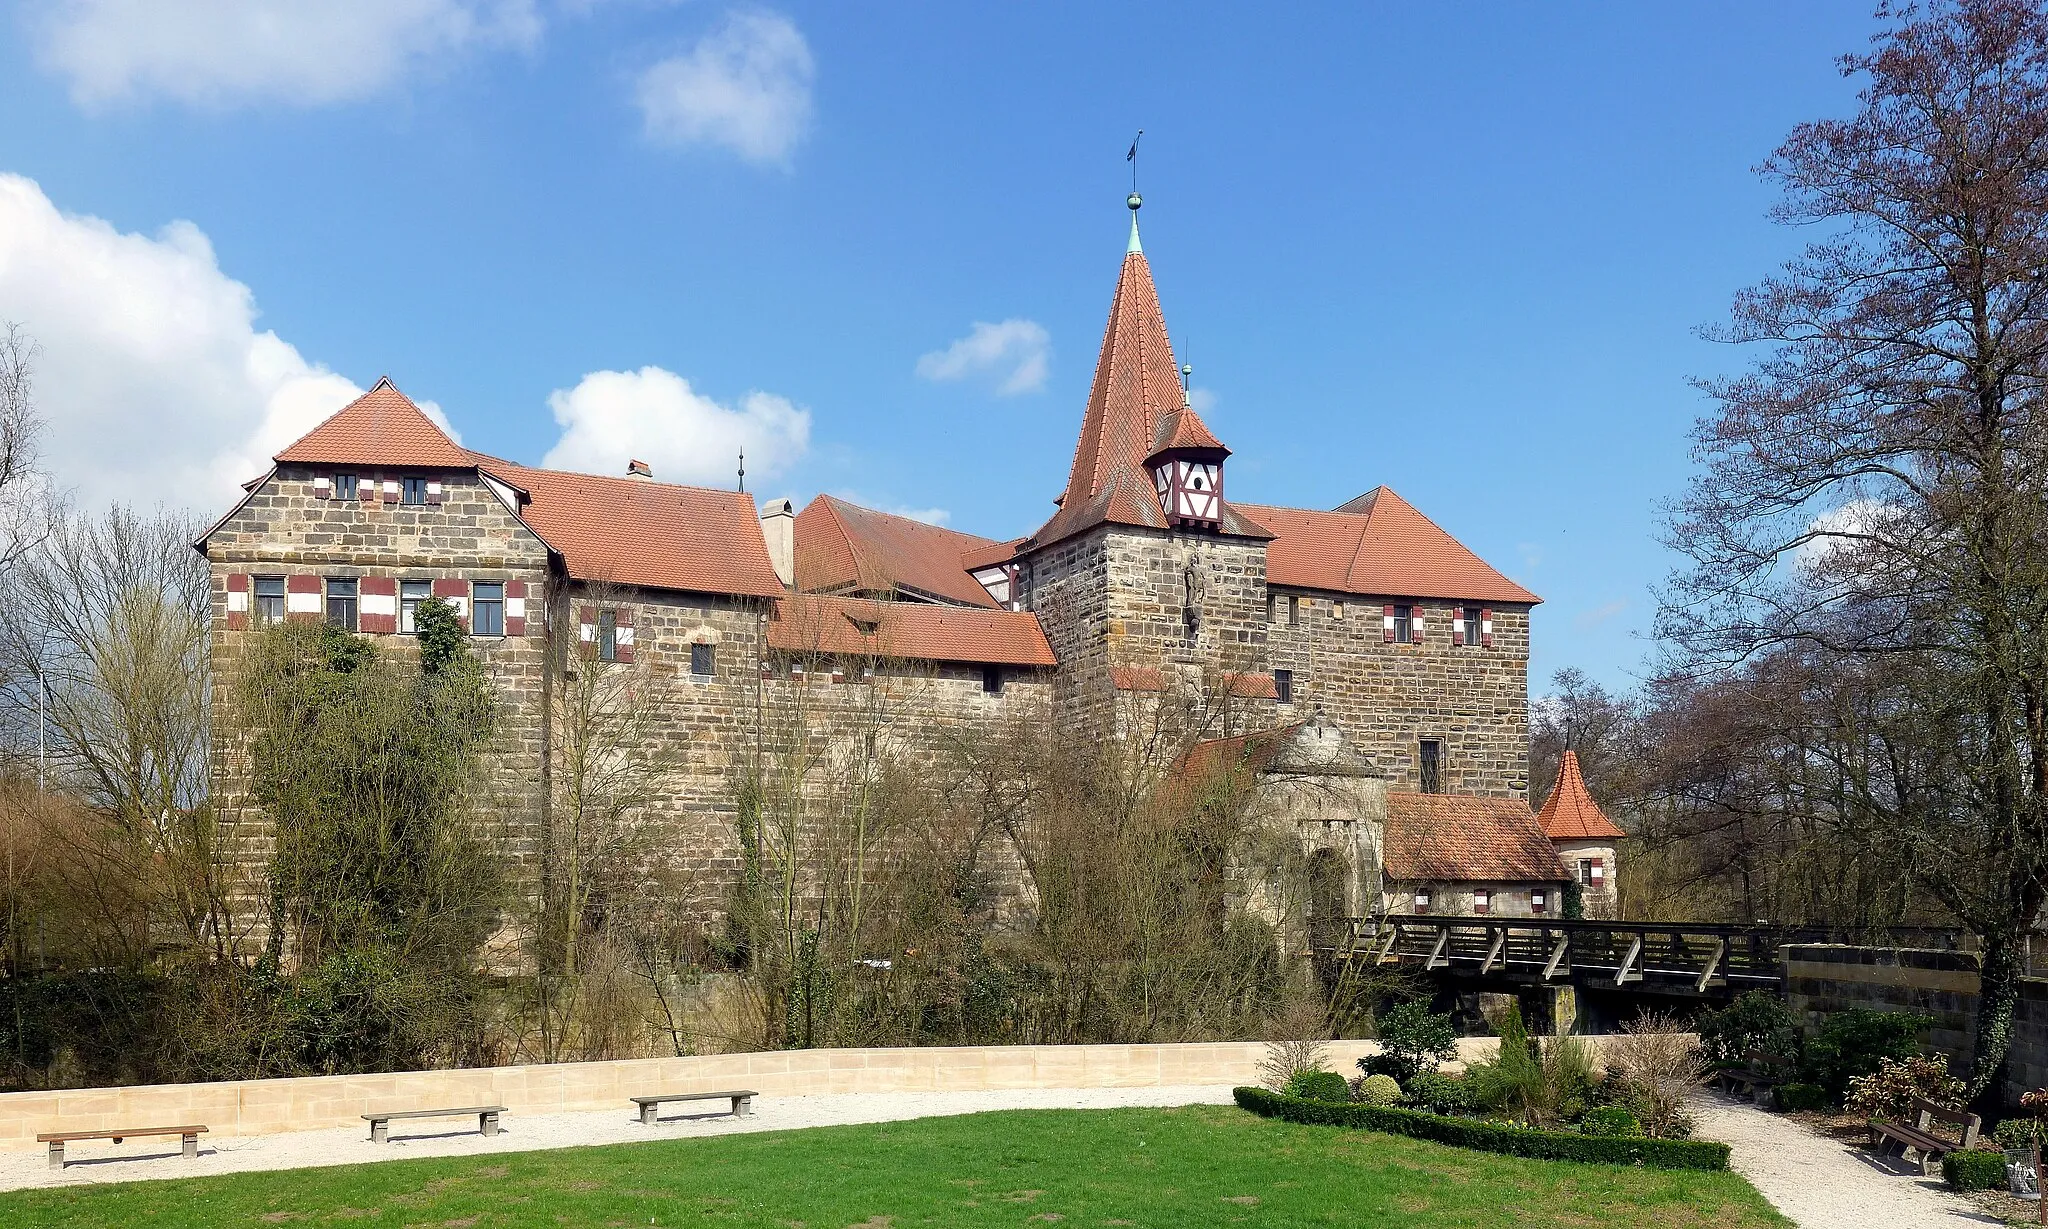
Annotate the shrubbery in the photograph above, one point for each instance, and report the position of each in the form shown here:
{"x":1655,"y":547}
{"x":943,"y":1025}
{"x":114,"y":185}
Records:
{"x":1973,"y":1170}
{"x":1439,"y":1094}
{"x":1413,"y":1041}
{"x":1609,"y":1120}
{"x":1379,"y":1089}
{"x":1853,"y":1042}
{"x":1491,"y":1136}
{"x":1318,"y":1086}
{"x":1756,"y":1020}
{"x":1889,"y":1092}
{"x":1795,"y":1097}
{"x":2017,"y":1132}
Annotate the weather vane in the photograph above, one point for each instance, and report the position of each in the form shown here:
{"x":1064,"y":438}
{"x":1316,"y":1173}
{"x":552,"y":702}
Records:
{"x":743,"y":471}
{"x":1132,"y":158}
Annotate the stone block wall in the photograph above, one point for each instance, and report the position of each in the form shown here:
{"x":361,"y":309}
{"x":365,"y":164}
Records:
{"x":1387,"y":698}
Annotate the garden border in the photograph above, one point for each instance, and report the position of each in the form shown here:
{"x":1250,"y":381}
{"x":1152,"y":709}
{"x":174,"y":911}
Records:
{"x":1490,"y":1136}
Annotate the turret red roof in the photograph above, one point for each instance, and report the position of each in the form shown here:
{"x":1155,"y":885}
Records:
{"x":1136,"y":393}
{"x":381,"y":427}
{"x":1571,"y":814}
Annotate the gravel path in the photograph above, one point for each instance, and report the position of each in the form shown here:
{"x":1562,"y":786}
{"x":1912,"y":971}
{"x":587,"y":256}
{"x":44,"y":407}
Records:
{"x":102,"y":1161}
{"x":1823,"y":1183}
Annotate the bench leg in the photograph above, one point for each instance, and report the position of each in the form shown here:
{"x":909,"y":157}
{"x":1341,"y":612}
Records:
{"x":380,"y":1131}
{"x":487,"y":1123}
{"x":56,"y":1154}
{"x":647,"y":1113}
{"x":742,"y":1107}
{"x":192,"y":1145}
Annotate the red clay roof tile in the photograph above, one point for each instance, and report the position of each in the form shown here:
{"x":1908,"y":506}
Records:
{"x":1381,"y":547}
{"x":1570,"y":814}
{"x":381,"y":427}
{"x":921,"y":631}
{"x":1444,"y":838}
{"x":843,"y":546}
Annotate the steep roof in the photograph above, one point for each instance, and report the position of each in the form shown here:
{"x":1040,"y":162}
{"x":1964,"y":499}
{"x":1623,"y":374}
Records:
{"x":381,"y":427}
{"x":629,"y":531}
{"x":1570,"y":814}
{"x":843,"y":546}
{"x":1462,"y":838}
{"x":1136,"y":387}
{"x":1377,"y":545}
{"x":862,"y":627}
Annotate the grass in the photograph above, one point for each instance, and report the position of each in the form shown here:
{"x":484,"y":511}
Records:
{"x":1200,"y":1165}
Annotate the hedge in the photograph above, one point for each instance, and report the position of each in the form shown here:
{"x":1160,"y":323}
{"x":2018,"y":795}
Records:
{"x":1973,"y":1170}
{"x":1490,"y":1136}
{"x":1792,"y":1098}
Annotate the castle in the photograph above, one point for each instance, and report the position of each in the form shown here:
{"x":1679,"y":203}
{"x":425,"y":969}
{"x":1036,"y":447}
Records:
{"x":1362,"y":648}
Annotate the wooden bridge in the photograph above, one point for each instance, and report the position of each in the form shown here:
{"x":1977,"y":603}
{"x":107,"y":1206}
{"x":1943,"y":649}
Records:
{"x":1690,"y":959}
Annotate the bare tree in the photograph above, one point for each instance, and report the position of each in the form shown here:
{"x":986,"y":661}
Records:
{"x":20,"y":505}
{"x":1874,"y":490}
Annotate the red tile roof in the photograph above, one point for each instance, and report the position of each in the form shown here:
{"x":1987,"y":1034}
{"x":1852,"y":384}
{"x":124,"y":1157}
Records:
{"x":1210,"y":766}
{"x":1377,"y":545}
{"x":843,"y":546}
{"x":629,"y":531}
{"x":1447,"y":838}
{"x":1136,"y":385}
{"x":919,"y":631}
{"x":1570,"y":814}
{"x":1183,"y":428}
{"x":381,"y":427}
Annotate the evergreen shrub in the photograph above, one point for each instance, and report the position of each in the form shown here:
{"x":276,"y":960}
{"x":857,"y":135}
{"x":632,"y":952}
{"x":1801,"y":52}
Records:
{"x":1973,"y":1170}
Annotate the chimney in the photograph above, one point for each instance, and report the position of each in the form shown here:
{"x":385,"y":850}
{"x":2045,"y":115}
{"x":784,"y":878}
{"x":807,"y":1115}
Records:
{"x":641,"y":470}
{"x":778,"y":530}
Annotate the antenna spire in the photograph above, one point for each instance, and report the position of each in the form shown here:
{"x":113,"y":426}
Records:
{"x":1134,"y":200}
{"x":1187,"y":381}
{"x":743,"y":471}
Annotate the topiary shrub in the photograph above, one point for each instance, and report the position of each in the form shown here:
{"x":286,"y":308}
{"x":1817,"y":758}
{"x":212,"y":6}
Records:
{"x":1611,"y":1120}
{"x":1439,"y":1094}
{"x":1793,"y":1098}
{"x":1318,"y":1086}
{"x":1973,"y":1170}
{"x":1379,"y":1090}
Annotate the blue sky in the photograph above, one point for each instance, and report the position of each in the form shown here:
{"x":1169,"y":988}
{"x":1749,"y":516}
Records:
{"x":1458,"y":251}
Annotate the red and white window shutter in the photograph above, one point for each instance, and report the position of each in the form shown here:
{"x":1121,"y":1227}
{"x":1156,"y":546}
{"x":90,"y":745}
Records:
{"x":515,"y":608}
{"x":238,"y":603}
{"x":1482,"y":900}
{"x":323,"y":488}
{"x":378,"y":613}
{"x":302,"y":600}
{"x":586,"y":625}
{"x":433,"y":492}
{"x":622,"y":636}
{"x":1486,"y":626}
{"x":456,"y":593}
{"x":1457,"y":626}
{"x":1387,"y":623}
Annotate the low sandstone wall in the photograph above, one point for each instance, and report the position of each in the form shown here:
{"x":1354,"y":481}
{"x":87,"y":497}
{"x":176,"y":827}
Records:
{"x":263,"y":1107}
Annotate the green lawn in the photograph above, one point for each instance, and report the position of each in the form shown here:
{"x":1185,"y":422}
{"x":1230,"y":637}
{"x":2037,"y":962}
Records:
{"x":1202,"y":1165}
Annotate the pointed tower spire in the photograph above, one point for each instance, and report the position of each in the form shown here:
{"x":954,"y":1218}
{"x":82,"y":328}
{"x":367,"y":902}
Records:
{"x":1134,"y":248}
{"x":1570,"y":814}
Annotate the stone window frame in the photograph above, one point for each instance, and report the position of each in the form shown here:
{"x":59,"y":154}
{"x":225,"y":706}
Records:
{"x":1283,"y":686}
{"x":1294,"y":610}
{"x":478,"y":603}
{"x":992,"y":680}
{"x":260,"y":610}
{"x":607,"y":634}
{"x":408,"y":487}
{"x":1404,"y":623}
{"x":408,"y":615}
{"x":347,"y":486}
{"x":1429,"y":766}
{"x":703,"y":659}
{"x":1471,"y":632}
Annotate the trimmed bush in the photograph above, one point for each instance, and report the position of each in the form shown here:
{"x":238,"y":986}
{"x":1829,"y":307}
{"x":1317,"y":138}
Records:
{"x":1795,"y":1097}
{"x":1973,"y":1170}
{"x":1490,"y":1136}
{"x":1611,"y":1120}
{"x":1319,"y":1086}
{"x":1439,"y":1094}
{"x":1379,"y":1090}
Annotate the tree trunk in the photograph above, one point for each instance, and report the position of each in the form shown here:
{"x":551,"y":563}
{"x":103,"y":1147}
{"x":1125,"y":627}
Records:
{"x":1998,"y":997}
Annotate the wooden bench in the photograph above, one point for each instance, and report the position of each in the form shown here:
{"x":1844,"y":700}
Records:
{"x":1920,"y":1137}
{"x":57,"y":1139}
{"x":486,"y":1119}
{"x":1759,"y":1078}
{"x":742,"y":1102}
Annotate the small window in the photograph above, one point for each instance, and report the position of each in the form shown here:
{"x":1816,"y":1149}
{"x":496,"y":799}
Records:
{"x":1482,"y":900}
{"x":992,"y":680}
{"x":1592,"y":873}
{"x":410,"y":594}
{"x":703,"y":660}
{"x":1539,"y":901}
{"x":1271,"y":603}
{"x":412,"y":490}
{"x":1469,"y":624}
{"x":1431,"y":763}
{"x":1404,"y":624}
{"x":341,"y":602}
{"x":607,"y":635}
{"x":1293,"y":611}
{"x":487,"y":608}
{"x":270,"y":599}
{"x":1421,"y":901}
{"x":1283,"y":686}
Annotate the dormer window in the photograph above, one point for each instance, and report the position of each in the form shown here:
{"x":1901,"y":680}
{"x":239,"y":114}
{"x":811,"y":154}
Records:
{"x":1190,"y":489}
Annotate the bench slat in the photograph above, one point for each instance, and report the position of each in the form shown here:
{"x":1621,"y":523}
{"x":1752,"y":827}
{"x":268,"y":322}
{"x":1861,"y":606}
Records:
{"x":693,"y":1096}
{"x":119,"y":1133}
{"x":454,"y":1113}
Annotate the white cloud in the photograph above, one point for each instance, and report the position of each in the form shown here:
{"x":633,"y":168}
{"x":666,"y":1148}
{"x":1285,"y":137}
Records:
{"x":153,"y":382}
{"x":746,"y":86}
{"x":653,"y":415}
{"x":1016,"y":352}
{"x":1823,"y":554}
{"x":299,"y":52}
